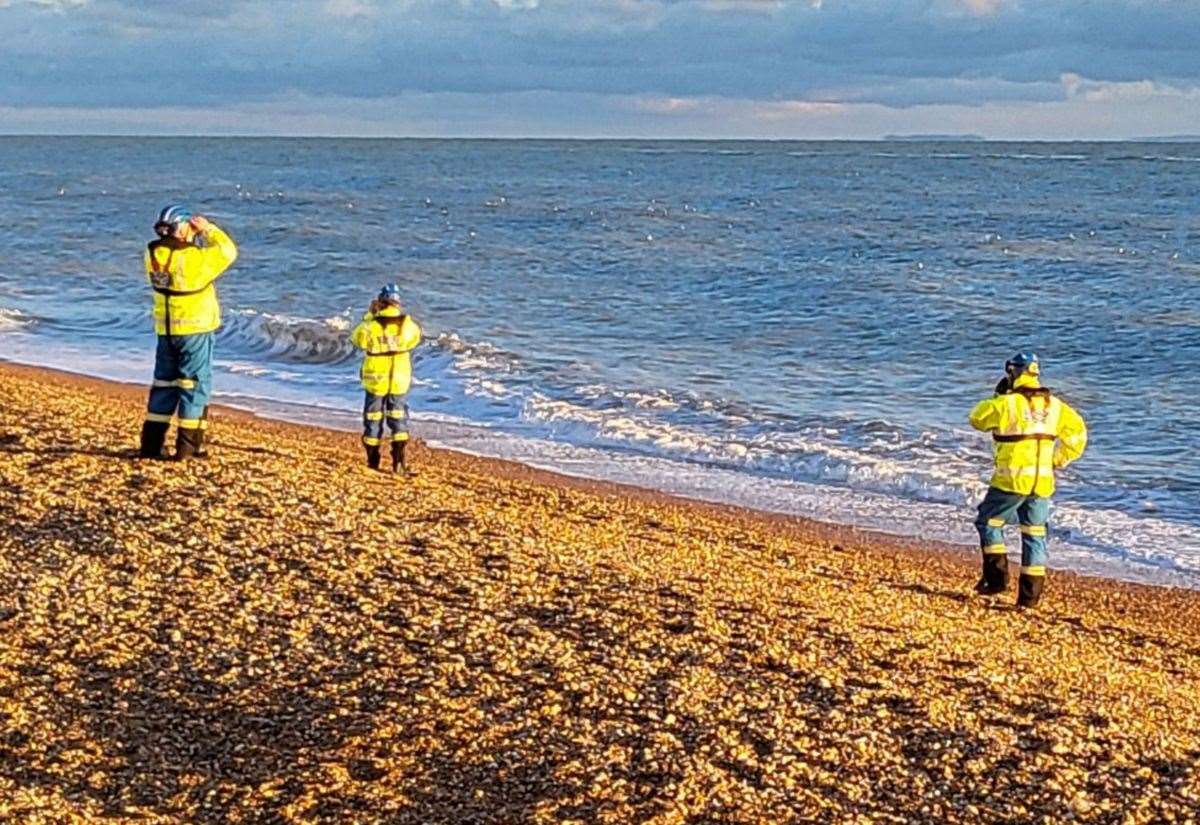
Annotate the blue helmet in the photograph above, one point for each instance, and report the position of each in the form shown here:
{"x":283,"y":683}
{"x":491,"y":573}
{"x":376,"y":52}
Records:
{"x":1021,"y":363}
{"x":171,"y":217}
{"x":390,"y":294}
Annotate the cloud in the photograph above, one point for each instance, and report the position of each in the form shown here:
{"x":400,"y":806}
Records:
{"x":677,"y":60}
{"x":743,"y":6}
{"x":982,"y":8}
{"x":1081,"y":88}
{"x":666,"y":105}
{"x":51,"y":5}
{"x":350,"y":8}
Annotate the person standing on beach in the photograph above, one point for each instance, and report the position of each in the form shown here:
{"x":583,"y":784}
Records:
{"x":182,"y":265}
{"x":387,"y":336}
{"x":1025,"y":420}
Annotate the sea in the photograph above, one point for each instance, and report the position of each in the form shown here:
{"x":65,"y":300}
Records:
{"x":796,"y":327}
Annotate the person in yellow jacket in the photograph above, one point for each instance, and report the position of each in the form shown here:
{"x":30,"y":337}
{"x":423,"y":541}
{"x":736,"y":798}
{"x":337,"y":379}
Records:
{"x":182,"y":266}
{"x":387,"y":336}
{"x":1034,"y":432}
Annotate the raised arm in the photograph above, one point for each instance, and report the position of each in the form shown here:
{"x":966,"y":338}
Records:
{"x":219,"y":253}
{"x":361,"y":336}
{"x":986,"y":415}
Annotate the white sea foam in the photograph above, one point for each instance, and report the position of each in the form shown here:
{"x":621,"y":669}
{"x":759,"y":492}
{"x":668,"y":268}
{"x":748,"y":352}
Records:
{"x":1085,"y":540}
{"x":866,"y":474}
{"x":12,"y":320}
{"x":803,"y":456}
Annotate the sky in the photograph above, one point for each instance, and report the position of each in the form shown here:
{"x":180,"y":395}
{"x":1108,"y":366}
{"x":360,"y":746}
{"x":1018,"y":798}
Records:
{"x":802,"y":69}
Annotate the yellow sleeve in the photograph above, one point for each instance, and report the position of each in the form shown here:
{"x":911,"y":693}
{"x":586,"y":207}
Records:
{"x":1072,"y":436}
{"x":986,"y":415}
{"x":361,"y":336}
{"x":410,"y":334}
{"x":218,"y":255}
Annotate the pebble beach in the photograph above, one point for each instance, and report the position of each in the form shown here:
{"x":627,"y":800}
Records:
{"x":277,"y":634}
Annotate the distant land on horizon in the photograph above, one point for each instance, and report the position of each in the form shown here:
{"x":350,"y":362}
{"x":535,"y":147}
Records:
{"x":932,"y":137}
{"x":1167,"y":139}
{"x":937,"y":137}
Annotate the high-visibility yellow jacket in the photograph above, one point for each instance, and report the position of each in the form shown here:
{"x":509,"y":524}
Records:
{"x":386,"y":337}
{"x":182,"y":276}
{"x":1025,"y":424}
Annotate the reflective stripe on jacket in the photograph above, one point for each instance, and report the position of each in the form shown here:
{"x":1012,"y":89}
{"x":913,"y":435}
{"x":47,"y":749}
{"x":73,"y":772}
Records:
{"x":1025,"y":424}
{"x":386,"y":337}
{"x":182,"y":276}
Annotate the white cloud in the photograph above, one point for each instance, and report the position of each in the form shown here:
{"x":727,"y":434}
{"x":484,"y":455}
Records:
{"x":977,"y":8}
{"x":1110,"y":91}
{"x":350,"y":8}
{"x":761,"y":6}
{"x":52,"y":5}
{"x":527,"y":114}
{"x":732,"y":110}
{"x":793,"y":109}
{"x":672,"y":64}
{"x":666,"y":105}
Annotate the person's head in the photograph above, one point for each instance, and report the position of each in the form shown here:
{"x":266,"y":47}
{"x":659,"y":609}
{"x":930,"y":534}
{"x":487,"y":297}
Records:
{"x":389,"y":296}
{"x":175,"y":221}
{"x":1023,"y":363}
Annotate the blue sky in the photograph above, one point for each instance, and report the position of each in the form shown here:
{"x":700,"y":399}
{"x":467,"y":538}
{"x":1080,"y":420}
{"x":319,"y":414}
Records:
{"x":1046,"y":69}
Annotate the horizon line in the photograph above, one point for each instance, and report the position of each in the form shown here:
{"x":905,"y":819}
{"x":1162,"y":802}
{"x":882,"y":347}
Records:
{"x":890,"y":138}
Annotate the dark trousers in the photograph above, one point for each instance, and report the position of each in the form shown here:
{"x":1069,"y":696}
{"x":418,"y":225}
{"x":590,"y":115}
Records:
{"x":182,"y":380}
{"x":384,"y":411}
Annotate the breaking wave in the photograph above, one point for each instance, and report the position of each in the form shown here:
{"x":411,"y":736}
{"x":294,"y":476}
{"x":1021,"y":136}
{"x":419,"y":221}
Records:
{"x":876,"y":456}
{"x":12,"y":320}
{"x":289,"y":338}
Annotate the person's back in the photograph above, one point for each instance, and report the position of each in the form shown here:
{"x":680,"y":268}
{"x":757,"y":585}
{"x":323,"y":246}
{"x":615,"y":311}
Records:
{"x":182,"y":266}
{"x":1034,"y":432}
{"x":386,"y":336}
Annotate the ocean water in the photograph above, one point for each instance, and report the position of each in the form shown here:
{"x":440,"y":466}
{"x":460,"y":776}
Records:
{"x":798,"y":327}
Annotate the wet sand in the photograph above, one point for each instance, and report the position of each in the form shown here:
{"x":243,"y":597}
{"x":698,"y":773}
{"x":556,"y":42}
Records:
{"x":279,"y":634}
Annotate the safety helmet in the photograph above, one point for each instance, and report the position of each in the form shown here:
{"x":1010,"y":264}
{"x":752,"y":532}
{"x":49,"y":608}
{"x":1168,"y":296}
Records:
{"x":390,"y":294}
{"x":1021,"y":363}
{"x":170,"y":218}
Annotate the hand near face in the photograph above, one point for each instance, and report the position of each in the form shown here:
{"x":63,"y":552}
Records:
{"x":200,"y":223}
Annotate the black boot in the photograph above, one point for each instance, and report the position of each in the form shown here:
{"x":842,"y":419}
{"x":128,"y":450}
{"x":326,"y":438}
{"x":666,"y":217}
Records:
{"x":154,"y":439}
{"x":372,"y":456}
{"x":188,"y":443}
{"x":995,"y":574}
{"x":399,"y":464}
{"x":201,"y":451}
{"x":1029,"y":590}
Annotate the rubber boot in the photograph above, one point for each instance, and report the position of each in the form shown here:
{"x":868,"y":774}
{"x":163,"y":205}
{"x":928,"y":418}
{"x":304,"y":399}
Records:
{"x":154,"y":439}
{"x":201,"y":451}
{"x":1029,"y":590}
{"x":995,"y":575}
{"x":372,"y":456}
{"x":399,"y":464}
{"x":188,"y":443}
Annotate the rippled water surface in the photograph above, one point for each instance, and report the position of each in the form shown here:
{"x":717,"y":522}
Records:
{"x":795,"y":326}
